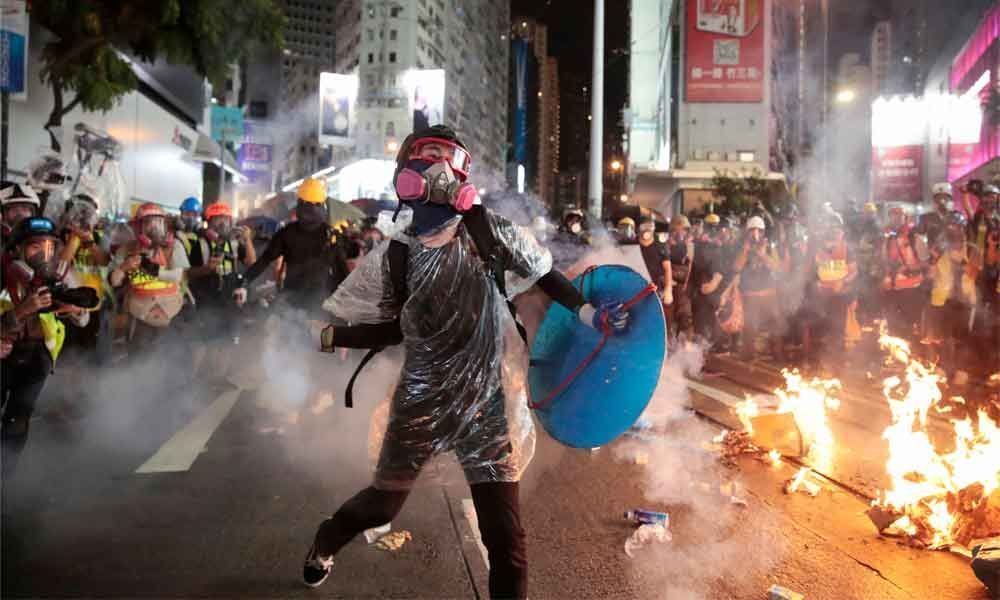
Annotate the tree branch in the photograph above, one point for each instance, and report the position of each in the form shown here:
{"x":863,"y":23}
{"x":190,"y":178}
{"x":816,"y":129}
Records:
{"x":70,"y":106}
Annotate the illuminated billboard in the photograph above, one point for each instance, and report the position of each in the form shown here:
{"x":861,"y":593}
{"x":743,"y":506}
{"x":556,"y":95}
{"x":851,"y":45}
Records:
{"x":337,"y":94}
{"x":425,"y":89}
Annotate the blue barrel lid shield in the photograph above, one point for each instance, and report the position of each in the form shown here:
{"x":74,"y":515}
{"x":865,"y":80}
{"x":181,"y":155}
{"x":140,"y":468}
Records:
{"x":608,"y":395}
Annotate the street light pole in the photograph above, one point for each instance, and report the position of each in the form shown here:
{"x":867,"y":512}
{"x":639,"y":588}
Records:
{"x":596,"y":183}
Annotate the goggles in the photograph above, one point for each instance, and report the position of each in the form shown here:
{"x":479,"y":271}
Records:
{"x":437,"y":149}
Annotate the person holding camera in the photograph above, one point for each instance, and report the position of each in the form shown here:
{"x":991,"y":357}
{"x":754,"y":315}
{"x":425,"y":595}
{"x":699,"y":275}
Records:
{"x":758,"y":267}
{"x":36,"y":297}
{"x":215,"y":274}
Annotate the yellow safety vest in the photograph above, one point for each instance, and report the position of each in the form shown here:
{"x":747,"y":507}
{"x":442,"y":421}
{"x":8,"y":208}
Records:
{"x":53,"y":330}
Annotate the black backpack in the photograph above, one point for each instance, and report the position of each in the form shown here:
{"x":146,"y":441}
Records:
{"x":493,"y":254}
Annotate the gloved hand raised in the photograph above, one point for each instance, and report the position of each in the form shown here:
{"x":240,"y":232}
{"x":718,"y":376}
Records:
{"x":610,"y":316}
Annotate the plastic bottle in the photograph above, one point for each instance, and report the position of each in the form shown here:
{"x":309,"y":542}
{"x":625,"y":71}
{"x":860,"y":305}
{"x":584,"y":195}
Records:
{"x":647,"y":517}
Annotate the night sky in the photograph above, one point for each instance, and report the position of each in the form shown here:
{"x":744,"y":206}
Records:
{"x":571,"y":26}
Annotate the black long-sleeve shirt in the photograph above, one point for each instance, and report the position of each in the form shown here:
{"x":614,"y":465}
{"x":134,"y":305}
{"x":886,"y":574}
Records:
{"x":315,"y":263}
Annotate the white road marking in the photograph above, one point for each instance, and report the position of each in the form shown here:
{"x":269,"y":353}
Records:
{"x":181,"y":450}
{"x":469,"y":508}
{"x":723,"y":397}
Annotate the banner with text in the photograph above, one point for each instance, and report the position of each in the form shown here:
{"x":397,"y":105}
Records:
{"x":724,"y":58}
{"x":897,"y":173}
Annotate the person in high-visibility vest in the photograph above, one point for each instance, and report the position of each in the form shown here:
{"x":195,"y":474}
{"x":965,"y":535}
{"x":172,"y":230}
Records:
{"x":954,"y":294}
{"x":904,"y":261}
{"x":834,"y":269}
{"x":32,"y":330}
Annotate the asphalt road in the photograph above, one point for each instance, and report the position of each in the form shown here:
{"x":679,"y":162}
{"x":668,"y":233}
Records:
{"x":216,"y":492}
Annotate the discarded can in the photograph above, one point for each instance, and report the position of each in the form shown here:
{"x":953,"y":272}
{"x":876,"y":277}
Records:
{"x":647,"y":517}
{"x":780,"y":593}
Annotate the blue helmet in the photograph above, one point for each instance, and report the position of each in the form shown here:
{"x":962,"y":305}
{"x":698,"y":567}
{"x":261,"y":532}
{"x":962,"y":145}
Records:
{"x":191,"y":204}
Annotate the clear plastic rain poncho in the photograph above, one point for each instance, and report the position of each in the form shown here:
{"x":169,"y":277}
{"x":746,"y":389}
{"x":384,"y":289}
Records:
{"x":463,"y":385}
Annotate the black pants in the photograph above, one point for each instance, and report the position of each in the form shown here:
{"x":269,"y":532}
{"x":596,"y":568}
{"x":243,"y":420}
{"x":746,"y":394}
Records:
{"x":24,"y":373}
{"x":902,"y":310}
{"x":498,"y":512}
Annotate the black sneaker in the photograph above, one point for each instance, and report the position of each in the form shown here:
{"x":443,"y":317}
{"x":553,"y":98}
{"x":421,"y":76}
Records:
{"x":317,"y":568}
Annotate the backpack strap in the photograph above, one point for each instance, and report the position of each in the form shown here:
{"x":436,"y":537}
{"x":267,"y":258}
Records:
{"x":399,"y":256}
{"x":493,"y":255}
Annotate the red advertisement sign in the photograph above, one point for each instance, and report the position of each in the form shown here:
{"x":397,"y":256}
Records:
{"x":897,"y":173}
{"x":724,"y":58}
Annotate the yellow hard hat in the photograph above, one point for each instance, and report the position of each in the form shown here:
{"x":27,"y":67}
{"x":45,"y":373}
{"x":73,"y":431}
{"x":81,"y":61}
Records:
{"x":312,"y":191}
{"x":870,"y":208}
{"x":712,"y":219}
{"x":680,"y":222}
{"x":626,"y":221}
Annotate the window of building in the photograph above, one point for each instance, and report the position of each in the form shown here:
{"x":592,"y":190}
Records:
{"x":390,"y":128}
{"x":392,"y":57}
{"x":395,"y":11}
{"x":368,"y":125}
{"x":381,"y":34}
{"x":371,"y":58}
{"x":371,"y":35}
{"x":392,"y":34}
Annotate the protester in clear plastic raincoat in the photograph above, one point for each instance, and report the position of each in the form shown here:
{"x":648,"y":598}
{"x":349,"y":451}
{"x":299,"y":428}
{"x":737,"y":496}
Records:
{"x":463,"y":384}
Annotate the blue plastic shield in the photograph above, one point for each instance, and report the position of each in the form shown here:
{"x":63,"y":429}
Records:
{"x":608,"y":396}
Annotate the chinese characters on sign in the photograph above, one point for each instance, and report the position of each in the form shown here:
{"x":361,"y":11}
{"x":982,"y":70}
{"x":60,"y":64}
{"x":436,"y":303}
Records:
{"x":725,"y":51}
{"x":898,"y":173}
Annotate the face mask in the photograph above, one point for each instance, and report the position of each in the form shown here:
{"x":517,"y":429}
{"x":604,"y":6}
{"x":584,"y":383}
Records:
{"x":434,"y":183}
{"x":15,"y":213}
{"x":662,"y":238}
{"x":41,"y":256}
{"x":155,"y":230}
{"x":575,"y":228}
{"x":190,"y":222}
{"x":944,"y":205}
{"x":221,"y":226}
{"x":310,"y":215}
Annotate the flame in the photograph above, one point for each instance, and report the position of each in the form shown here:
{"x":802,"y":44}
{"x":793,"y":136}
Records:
{"x":809,"y":401}
{"x":798,"y":479}
{"x":745,"y":411}
{"x":937,"y":491}
{"x":775,"y":457}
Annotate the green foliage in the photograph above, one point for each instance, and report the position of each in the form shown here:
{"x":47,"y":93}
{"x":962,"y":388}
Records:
{"x":740,"y":191}
{"x":207,"y":35}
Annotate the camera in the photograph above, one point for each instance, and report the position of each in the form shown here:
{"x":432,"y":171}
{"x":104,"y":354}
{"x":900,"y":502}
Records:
{"x":84,"y":297}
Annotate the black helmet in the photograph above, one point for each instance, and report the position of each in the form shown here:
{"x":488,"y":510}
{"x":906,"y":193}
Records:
{"x":30,"y":228}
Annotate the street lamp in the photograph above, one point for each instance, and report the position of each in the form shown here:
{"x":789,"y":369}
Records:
{"x":623,"y":198}
{"x":845,"y":96}
{"x":616,"y":165}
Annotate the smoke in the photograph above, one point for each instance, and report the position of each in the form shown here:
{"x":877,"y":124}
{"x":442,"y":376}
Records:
{"x":710,"y":532}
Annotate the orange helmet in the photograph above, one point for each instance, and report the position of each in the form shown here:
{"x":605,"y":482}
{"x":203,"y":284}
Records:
{"x":218,"y":209}
{"x":149,"y":209}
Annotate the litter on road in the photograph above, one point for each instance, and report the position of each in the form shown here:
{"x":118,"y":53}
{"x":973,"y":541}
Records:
{"x":646,"y":535}
{"x":781,"y":593}
{"x":393,"y":541}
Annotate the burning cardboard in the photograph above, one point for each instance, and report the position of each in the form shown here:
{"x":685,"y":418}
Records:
{"x":778,"y":432}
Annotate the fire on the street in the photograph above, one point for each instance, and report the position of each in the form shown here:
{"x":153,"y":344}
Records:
{"x":944,"y":489}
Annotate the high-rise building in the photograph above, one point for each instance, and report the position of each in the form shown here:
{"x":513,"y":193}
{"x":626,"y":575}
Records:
{"x":310,"y":35}
{"x":534,"y":108}
{"x":384,"y":40}
{"x":881,"y":55}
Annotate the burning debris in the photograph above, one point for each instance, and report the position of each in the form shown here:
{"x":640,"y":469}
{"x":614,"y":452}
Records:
{"x":945,"y":487}
{"x":800,"y":482}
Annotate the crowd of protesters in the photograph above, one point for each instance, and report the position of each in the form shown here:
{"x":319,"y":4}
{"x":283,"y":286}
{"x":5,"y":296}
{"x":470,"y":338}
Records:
{"x":805,"y":286}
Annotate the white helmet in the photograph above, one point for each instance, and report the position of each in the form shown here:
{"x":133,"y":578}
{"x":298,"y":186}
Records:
{"x":755,"y":223}
{"x":941,"y":189}
{"x":19,"y":194}
{"x":991,"y":189}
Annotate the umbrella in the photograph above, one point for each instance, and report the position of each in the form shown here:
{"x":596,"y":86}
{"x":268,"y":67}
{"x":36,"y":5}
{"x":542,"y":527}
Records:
{"x":342,"y":211}
{"x":372,"y":207}
{"x":261,"y":224}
